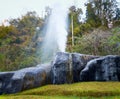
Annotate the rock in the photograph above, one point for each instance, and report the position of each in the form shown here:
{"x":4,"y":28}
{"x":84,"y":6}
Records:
{"x":47,"y":67}
{"x":79,"y":62}
{"x":33,"y":77}
{"x":16,"y":84}
{"x":27,"y":78}
{"x":5,"y":83}
{"x":67,"y":67}
{"x":62,"y":69}
{"x":102,"y":69}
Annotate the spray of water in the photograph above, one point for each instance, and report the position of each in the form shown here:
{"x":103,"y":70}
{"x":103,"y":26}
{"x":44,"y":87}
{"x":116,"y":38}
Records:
{"x":56,"y":33}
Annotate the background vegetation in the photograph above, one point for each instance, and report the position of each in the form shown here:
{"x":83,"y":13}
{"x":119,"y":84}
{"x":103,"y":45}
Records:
{"x":20,"y":41}
{"x":95,"y":35}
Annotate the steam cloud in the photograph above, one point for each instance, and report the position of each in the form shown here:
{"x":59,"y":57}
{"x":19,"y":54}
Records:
{"x":56,"y":33}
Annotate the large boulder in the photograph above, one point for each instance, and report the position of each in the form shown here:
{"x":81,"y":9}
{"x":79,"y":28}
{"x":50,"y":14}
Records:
{"x":5,"y":84}
{"x":79,"y":62}
{"x":31,"y":77}
{"x":62,"y":69}
{"x":47,"y":67}
{"x":102,"y":69}
{"x":67,"y":67}
{"x":27,"y":78}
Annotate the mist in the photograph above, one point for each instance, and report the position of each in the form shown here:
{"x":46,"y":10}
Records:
{"x":55,"y":33}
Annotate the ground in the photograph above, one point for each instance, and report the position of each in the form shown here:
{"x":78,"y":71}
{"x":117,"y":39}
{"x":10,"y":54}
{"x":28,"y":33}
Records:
{"x":82,"y":90}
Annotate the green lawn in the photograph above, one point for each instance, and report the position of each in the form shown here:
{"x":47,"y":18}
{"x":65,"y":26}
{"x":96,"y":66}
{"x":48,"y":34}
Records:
{"x":55,"y":97}
{"x":38,"y":97}
{"x":83,"y":90}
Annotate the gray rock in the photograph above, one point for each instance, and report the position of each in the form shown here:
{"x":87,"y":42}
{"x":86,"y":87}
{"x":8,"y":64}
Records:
{"x":47,"y":67}
{"x":33,"y":77}
{"x":62,"y":69}
{"x":27,"y":78}
{"x":5,"y":84}
{"x":67,"y":67}
{"x":79,"y":62}
{"x":102,"y":69}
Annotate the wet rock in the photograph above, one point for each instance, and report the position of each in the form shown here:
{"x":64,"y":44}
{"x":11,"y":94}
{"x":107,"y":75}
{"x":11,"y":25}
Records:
{"x":62,"y":69}
{"x":67,"y":67}
{"x":102,"y":69}
{"x":79,"y":62}
{"x":47,"y":67}
{"x":5,"y":82}
{"x":27,"y":78}
{"x":33,"y":77}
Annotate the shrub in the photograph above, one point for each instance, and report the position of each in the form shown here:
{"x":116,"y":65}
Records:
{"x":99,"y":42}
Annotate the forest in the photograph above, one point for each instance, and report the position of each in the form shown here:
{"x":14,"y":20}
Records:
{"x":98,"y":34}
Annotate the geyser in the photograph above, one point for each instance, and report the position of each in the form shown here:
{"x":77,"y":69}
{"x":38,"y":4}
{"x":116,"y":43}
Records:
{"x":56,"y":33}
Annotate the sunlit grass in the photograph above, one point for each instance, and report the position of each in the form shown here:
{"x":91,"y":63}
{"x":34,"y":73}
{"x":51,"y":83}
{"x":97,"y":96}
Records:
{"x":82,"y":90}
{"x":95,"y":89}
{"x":55,"y":97}
{"x":38,"y":97}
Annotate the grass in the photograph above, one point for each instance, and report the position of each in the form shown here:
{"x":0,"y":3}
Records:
{"x":82,"y":90}
{"x":37,"y":97}
{"x":95,"y":89}
{"x":55,"y":97}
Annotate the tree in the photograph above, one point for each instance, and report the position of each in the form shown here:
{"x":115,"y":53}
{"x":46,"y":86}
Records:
{"x":5,"y":31}
{"x":75,"y":17}
{"x":27,"y":23}
{"x":91,"y":17}
{"x":117,"y":17}
{"x":105,"y":10}
{"x":76,"y":14}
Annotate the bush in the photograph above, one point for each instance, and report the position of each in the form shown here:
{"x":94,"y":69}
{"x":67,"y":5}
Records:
{"x":81,"y":29}
{"x":99,"y":42}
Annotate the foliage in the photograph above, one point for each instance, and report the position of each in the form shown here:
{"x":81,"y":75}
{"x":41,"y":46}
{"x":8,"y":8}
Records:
{"x":75,"y":16}
{"x":18,"y":42}
{"x":99,"y":42}
{"x":75,"y":13}
{"x":114,"y":41}
{"x":117,"y":17}
{"x":82,"y":29}
{"x":14,"y":57}
{"x":99,"y":14}
{"x":6,"y":31}
{"x":92,"y":18}
{"x":102,"y":11}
